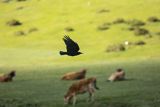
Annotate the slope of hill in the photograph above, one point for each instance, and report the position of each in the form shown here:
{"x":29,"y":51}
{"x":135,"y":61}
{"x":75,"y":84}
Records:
{"x":95,"y":27}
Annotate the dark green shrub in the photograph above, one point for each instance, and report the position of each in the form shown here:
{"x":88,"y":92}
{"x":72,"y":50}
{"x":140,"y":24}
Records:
{"x":14,"y":22}
{"x":116,"y":48}
{"x":153,"y":19}
{"x":140,"y":31}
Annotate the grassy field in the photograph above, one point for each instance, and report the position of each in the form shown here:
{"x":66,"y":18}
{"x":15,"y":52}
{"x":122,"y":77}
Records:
{"x":35,"y":55}
{"x":42,"y":87}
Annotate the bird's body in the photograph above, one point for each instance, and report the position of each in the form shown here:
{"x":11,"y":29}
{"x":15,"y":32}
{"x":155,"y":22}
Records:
{"x":71,"y":46}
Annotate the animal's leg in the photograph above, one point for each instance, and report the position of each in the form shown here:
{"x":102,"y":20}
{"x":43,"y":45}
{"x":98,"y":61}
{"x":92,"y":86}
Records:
{"x":70,"y":100}
{"x":74,"y":99}
{"x":91,"y":95}
{"x":89,"y":99}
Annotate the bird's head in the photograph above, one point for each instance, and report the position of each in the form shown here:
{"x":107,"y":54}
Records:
{"x":80,"y":53}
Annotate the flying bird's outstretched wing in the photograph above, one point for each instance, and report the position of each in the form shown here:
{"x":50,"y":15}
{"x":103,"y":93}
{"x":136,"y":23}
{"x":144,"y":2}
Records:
{"x":71,"y":46}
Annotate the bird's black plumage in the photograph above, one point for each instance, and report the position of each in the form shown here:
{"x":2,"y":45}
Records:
{"x":71,"y":46}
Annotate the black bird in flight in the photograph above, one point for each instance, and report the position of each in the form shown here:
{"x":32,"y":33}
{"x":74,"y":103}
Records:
{"x":71,"y":46}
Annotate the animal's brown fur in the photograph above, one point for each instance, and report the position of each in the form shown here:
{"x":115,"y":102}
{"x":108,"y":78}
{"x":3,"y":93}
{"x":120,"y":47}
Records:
{"x":8,"y":77}
{"x":75,"y":75}
{"x":80,"y":87}
{"x":117,"y":76}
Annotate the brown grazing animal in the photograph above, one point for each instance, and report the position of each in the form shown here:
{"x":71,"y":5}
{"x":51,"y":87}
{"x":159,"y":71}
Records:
{"x":80,"y":87}
{"x":117,"y":76}
{"x":75,"y":75}
{"x":8,"y":77}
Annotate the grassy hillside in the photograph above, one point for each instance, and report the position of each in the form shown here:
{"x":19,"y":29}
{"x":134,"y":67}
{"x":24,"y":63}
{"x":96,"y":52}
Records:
{"x":50,"y":18}
{"x":32,"y":49}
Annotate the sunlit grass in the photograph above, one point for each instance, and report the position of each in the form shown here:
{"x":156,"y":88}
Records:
{"x":51,"y":17}
{"x":35,"y":56}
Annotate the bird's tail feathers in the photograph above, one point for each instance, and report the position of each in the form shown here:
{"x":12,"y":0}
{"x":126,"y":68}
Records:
{"x":62,"y":53}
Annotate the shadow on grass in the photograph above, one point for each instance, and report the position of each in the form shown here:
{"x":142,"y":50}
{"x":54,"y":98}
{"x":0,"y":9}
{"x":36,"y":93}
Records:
{"x":127,"y":79}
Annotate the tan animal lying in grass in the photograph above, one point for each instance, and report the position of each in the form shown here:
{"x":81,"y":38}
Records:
{"x":75,"y":75}
{"x":7,"y":77}
{"x":117,"y":76}
{"x":80,"y":87}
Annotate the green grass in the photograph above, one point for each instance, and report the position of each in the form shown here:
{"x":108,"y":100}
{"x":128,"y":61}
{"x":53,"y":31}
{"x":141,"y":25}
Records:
{"x":42,"y":86}
{"x":39,"y":66}
{"x":51,"y":17}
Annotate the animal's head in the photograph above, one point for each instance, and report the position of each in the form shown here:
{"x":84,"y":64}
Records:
{"x":67,"y":99}
{"x":63,"y":78}
{"x":12,"y":73}
{"x":84,"y":71}
{"x":119,"y":70}
{"x":80,"y":53}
